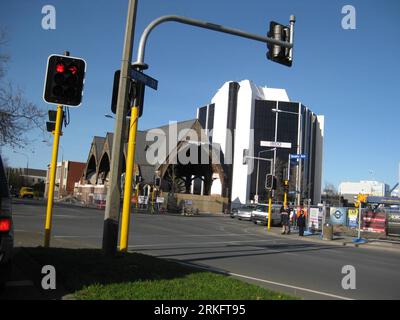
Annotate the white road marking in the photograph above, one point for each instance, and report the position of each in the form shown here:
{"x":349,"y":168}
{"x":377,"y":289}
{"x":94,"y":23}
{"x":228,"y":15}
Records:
{"x":21,"y":283}
{"x":267,"y":281}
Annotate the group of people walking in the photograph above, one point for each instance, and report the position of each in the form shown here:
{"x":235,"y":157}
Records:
{"x":288,"y":217}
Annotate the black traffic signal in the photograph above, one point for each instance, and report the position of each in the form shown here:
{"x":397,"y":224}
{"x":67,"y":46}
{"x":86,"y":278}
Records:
{"x":114,"y":97}
{"x":270,"y":182}
{"x":51,"y":124}
{"x":277,"y":53}
{"x":136,"y":90}
{"x":64,"y":80}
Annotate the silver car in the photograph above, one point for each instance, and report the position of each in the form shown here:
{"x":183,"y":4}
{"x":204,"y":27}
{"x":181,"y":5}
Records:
{"x":243,"y":212}
{"x":6,"y":228}
{"x":260,"y":214}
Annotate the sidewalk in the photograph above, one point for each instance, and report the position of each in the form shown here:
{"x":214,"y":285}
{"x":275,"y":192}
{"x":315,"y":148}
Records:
{"x":338,"y":240}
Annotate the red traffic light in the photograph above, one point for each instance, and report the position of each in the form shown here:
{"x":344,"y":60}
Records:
{"x":73,"y":69}
{"x":60,"y":68}
{"x":64,"y":80}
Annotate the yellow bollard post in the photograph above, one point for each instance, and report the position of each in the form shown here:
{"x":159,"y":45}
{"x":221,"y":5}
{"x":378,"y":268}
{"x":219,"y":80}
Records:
{"x":130,"y":162}
{"x":137,"y":196}
{"x":286,"y":187}
{"x":269,"y":212}
{"x":152,"y":200}
{"x":53,"y":167}
{"x":285,"y":200}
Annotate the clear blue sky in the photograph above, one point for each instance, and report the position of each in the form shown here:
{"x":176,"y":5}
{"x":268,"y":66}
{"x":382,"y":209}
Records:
{"x":346,"y":75}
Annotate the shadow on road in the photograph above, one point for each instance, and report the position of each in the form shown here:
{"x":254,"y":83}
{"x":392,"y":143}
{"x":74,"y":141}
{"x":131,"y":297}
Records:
{"x":272,"y":249}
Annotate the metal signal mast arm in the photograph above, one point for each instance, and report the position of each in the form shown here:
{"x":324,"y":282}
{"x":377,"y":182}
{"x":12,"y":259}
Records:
{"x":205,"y":25}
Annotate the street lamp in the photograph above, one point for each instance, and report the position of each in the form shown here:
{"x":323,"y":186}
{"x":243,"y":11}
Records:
{"x":107,"y":115}
{"x":298,"y":170}
{"x":258,"y":168}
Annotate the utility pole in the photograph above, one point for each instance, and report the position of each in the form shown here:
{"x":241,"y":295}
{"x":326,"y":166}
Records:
{"x":113,"y":204}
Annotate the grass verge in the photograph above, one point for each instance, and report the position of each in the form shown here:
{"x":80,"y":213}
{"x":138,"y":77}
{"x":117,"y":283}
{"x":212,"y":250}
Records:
{"x":88,"y":275}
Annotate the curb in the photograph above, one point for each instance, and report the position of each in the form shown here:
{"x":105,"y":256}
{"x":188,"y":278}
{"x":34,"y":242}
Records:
{"x":338,"y":242}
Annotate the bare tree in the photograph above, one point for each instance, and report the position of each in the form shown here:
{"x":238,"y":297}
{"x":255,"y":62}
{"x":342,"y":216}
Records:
{"x":331,"y":195}
{"x":17,"y":116}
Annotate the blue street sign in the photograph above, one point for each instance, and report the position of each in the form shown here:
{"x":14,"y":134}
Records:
{"x":144,"y":78}
{"x":298,"y":156}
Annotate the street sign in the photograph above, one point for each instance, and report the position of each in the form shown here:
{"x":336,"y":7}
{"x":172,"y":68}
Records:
{"x":273,"y":144}
{"x":144,"y":78}
{"x":298,"y":156}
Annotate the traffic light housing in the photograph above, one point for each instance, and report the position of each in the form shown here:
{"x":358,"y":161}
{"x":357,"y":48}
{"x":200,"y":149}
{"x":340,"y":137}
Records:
{"x":270,"y":182}
{"x":277,"y":53}
{"x":136,"y":91}
{"x":286,"y":186}
{"x":64,"y":80}
{"x":51,"y":124}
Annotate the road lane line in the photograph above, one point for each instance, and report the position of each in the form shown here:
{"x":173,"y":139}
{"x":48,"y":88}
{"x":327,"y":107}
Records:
{"x":290,"y":286}
{"x":266,"y":281}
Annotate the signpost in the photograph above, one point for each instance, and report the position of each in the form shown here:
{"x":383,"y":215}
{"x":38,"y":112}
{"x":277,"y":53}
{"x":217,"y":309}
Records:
{"x":298,"y":157}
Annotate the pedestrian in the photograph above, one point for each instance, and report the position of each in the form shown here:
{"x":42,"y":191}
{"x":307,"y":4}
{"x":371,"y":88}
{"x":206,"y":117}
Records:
{"x":292,"y":217}
{"x":301,"y":223}
{"x":284,"y":220}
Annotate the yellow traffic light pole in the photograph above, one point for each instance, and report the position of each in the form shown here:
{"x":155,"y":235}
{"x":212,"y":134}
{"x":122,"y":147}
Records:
{"x":286,"y":182}
{"x":137,"y":196}
{"x":269,"y":211}
{"x":130,"y":163}
{"x":285,"y":200}
{"x":53,"y":167}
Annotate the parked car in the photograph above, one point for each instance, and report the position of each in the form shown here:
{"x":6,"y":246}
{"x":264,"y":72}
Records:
{"x":26,"y":192}
{"x":260,"y":214}
{"x":6,"y":228}
{"x":243,"y":212}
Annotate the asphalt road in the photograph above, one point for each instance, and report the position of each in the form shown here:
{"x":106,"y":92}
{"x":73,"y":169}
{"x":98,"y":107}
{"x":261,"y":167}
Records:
{"x":246,"y":251}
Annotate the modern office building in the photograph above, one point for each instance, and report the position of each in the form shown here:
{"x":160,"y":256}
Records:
{"x":241,"y":116}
